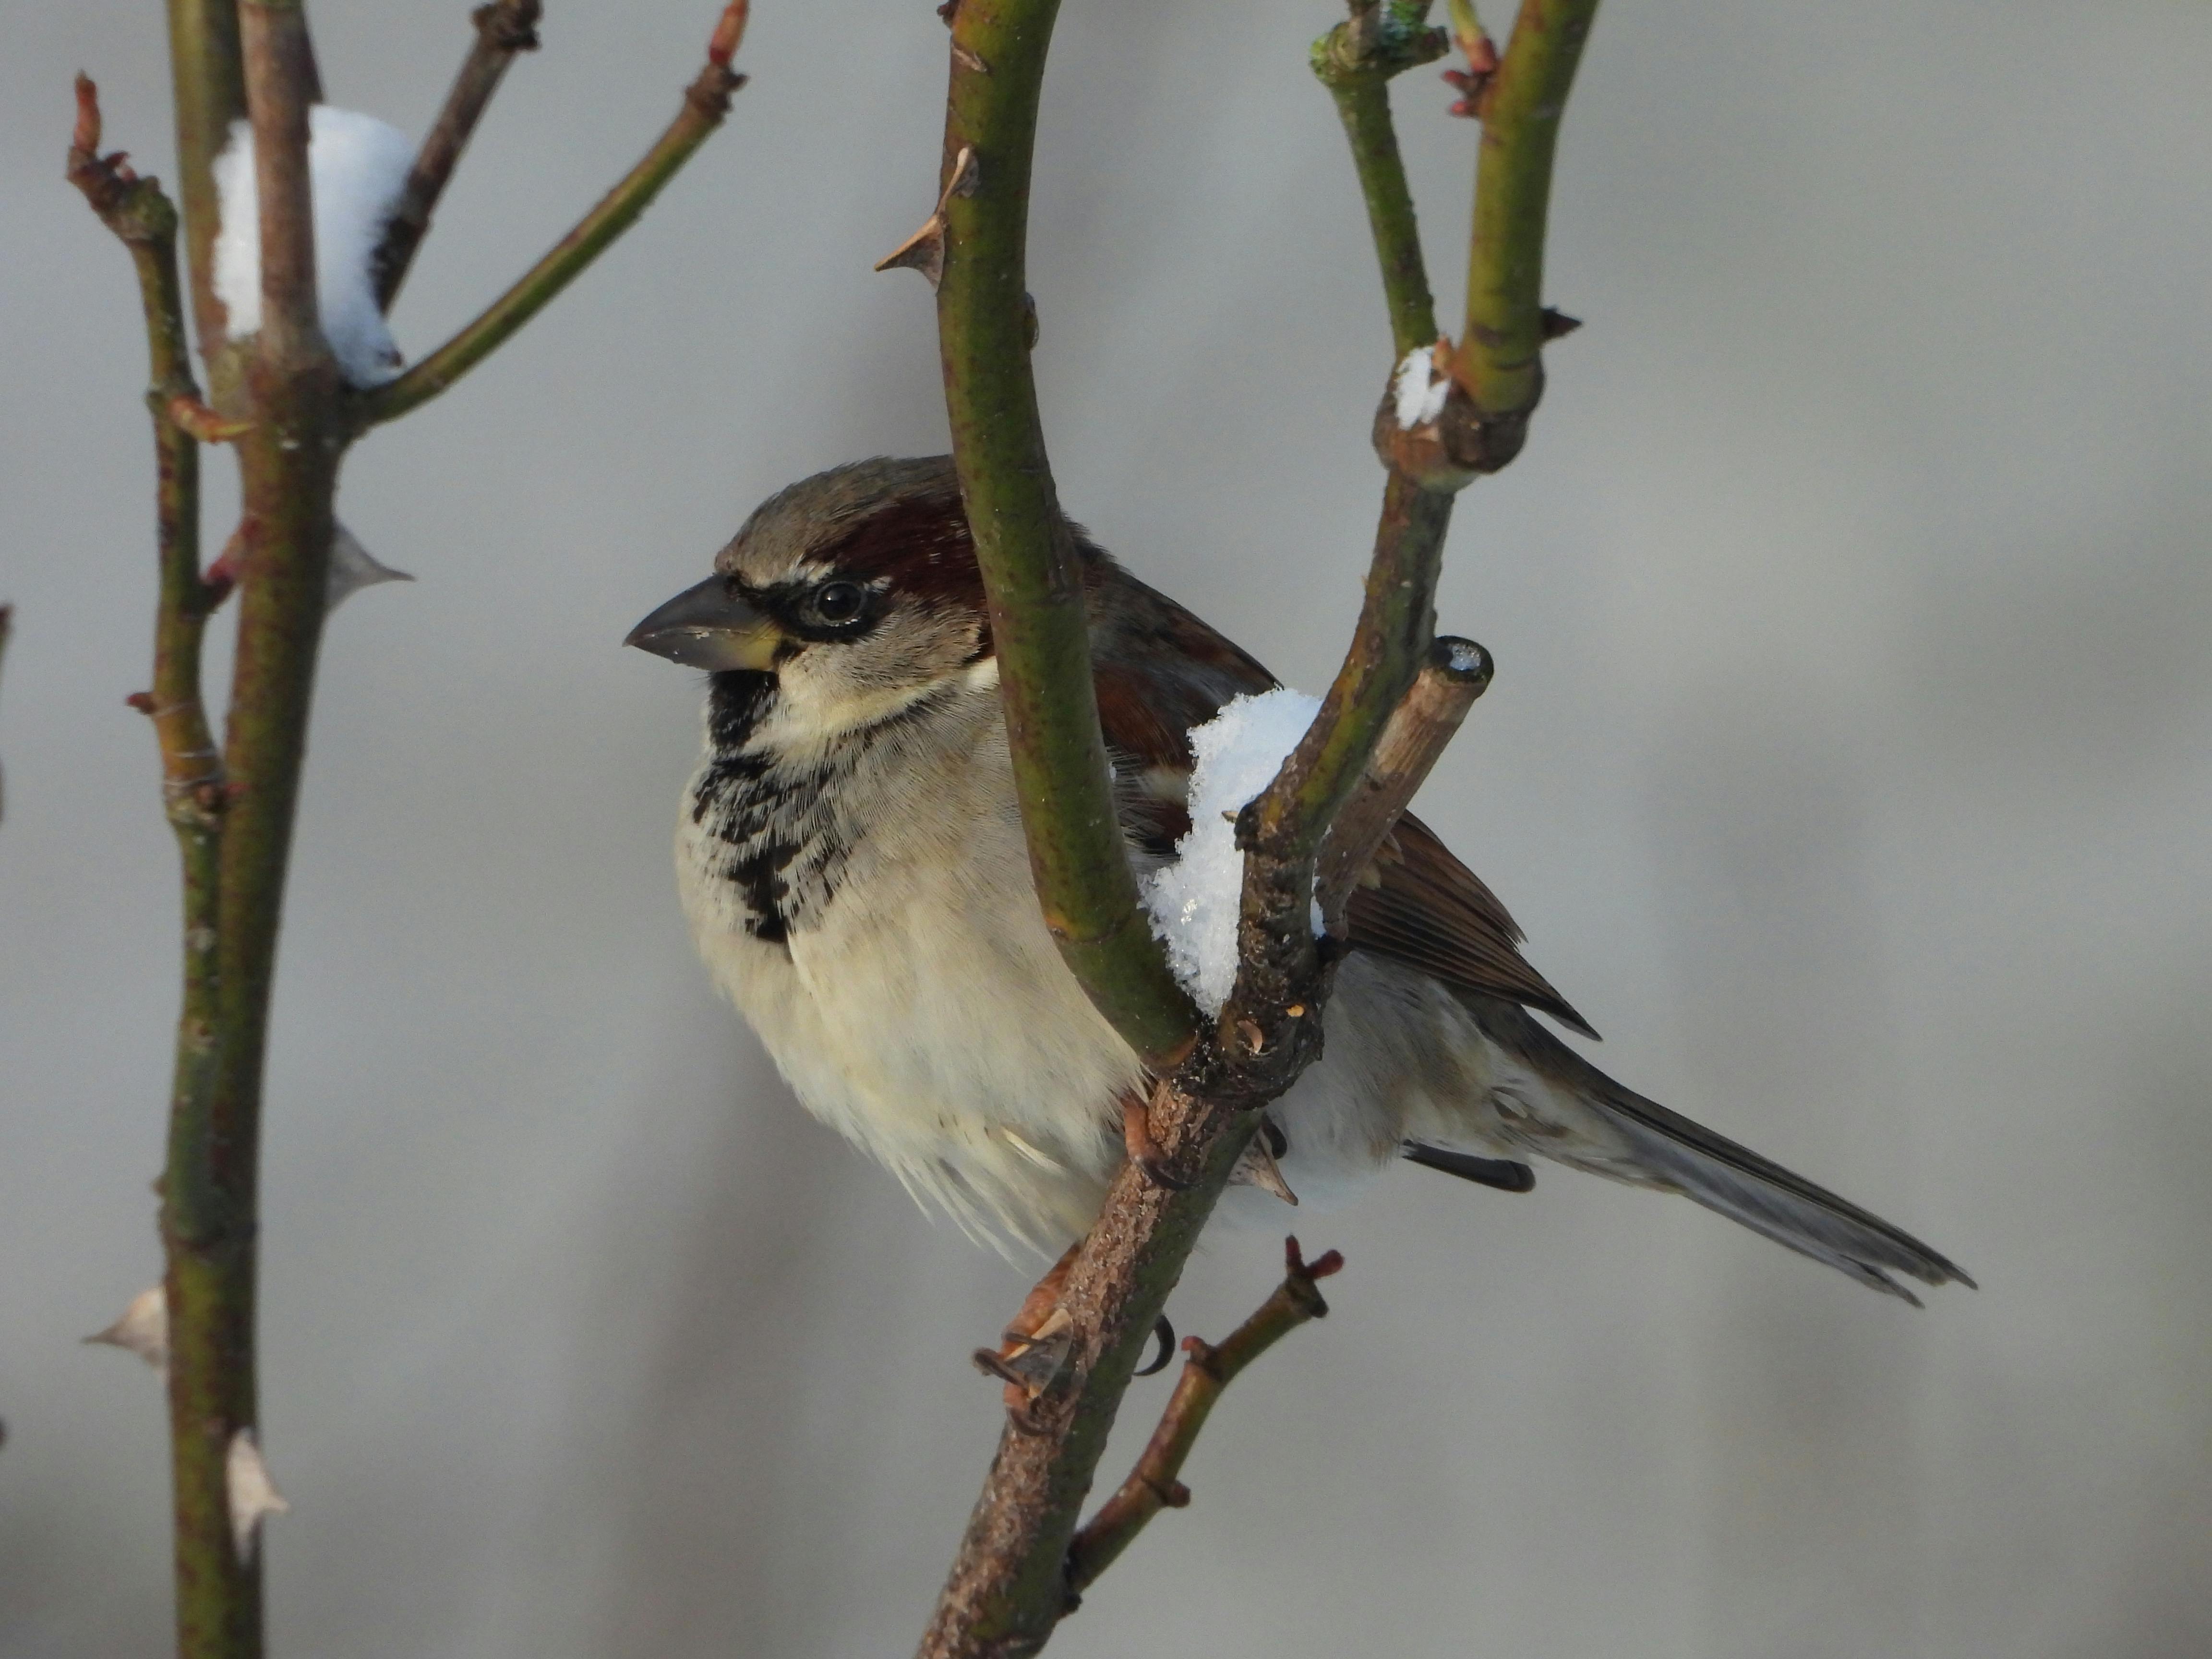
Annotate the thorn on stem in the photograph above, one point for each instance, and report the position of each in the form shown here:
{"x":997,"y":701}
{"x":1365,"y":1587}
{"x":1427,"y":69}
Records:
{"x":142,"y":701}
{"x":253,"y":1496}
{"x":194,"y":418}
{"x":1557,"y":324}
{"x":1256,"y":1165}
{"x":143,"y":1329}
{"x":924,"y":251}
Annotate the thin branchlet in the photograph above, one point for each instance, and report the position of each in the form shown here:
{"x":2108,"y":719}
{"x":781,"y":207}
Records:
{"x":706,"y":103}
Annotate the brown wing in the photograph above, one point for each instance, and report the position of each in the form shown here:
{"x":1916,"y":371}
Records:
{"x":1428,"y":910}
{"x":1160,"y":670}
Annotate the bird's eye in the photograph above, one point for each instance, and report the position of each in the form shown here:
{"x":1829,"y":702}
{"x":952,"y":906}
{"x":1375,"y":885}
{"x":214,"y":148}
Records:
{"x":839,"y":601}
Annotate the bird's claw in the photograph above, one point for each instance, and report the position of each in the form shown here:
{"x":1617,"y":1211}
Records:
{"x":1163,"y":1334}
{"x":1145,"y":1151}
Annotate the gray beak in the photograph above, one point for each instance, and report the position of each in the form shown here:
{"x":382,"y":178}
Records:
{"x":708,"y":627}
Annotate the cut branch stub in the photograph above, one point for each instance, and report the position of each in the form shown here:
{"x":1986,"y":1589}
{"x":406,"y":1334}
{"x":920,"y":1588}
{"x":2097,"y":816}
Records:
{"x":1457,"y":672}
{"x":1382,"y":38}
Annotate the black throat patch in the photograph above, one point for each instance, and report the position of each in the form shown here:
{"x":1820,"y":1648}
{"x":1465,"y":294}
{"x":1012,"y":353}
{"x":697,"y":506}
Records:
{"x":784,"y":850}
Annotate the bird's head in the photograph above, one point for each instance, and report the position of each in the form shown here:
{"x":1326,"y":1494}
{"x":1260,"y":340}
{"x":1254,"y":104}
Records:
{"x":855,"y":593}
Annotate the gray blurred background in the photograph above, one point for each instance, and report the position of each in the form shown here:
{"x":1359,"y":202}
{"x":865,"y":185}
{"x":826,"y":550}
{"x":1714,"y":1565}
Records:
{"x":1848,"y":765}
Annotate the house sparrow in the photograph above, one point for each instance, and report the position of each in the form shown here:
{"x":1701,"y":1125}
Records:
{"x":851,"y":860}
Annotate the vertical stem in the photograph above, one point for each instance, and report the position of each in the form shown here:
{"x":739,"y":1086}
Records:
{"x":280,"y":79}
{"x":1039,"y":625}
{"x":1363,"y":104}
{"x":1499,"y":363}
{"x":210,"y":1216}
{"x":208,"y":74}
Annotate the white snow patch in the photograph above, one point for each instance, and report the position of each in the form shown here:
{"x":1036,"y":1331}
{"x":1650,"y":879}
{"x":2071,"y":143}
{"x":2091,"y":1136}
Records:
{"x":356,"y":167}
{"x":1194,"y":902}
{"x":1420,"y":396}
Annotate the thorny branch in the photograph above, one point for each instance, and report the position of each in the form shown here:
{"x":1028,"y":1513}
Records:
{"x":1154,"y":1484}
{"x":984,"y":326}
{"x":277,"y":396}
{"x":1008,"y":1587}
{"x":706,"y":102}
{"x":504,"y":29}
{"x":218,"y":1608}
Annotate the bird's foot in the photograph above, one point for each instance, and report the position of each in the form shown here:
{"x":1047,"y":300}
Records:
{"x":1034,"y":1349}
{"x":1035,"y":1346}
{"x":1145,"y":1151}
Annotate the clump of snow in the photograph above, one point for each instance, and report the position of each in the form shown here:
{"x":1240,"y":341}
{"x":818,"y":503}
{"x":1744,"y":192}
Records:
{"x":1194,"y":901}
{"x":1465,"y":656}
{"x":356,"y":167}
{"x":1420,"y":396}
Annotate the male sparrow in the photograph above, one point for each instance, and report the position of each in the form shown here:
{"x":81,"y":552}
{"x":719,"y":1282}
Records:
{"x":851,"y":860}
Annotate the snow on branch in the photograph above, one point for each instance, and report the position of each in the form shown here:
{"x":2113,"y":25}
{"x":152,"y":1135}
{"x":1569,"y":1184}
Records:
{"x":357,"y":167}
{"x":1195,"y":901}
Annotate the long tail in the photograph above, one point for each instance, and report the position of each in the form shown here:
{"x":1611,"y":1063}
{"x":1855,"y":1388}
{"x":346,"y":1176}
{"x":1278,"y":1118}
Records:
{"x":1653,"y":1146}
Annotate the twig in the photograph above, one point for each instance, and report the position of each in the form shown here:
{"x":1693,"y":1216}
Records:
{"x":1457,"y":672}
{"x":706,"y":102}
{"x":218,"y":1603}
{"x":281,"y":83}
{"x":1499,"y":363}
{"x":504,"y":29}
{"x":1038,"y":623}
{"x":1154,"y":1485}
{"x":209,"y":72}
{"x":1355,"y":61}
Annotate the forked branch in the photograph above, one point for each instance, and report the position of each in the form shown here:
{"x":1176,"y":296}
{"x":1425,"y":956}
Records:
{"x":505,"y":28}
{"x":1457,"y":672}
{"x":1380,"y":727}
{"x":706,"y":103}
{"x":1154,"y":1484}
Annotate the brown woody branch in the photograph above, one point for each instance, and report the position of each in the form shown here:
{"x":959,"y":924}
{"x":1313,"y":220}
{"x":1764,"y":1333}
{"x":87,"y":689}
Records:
{"x":706,"y":103}
{"x":281,"y":84}
{"x":1154,"y":1485}
{"x":1457,"y":672}
{"x":504,"y":29}
{"x":218,"y":1597}
{"x":1007,"y":1587}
